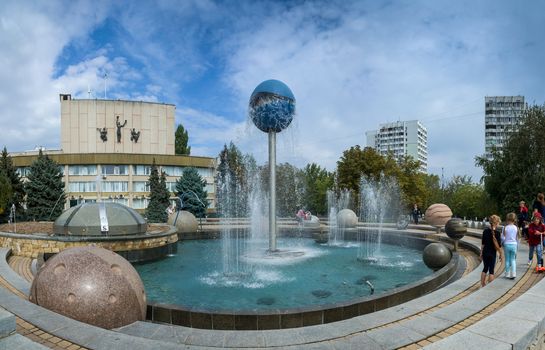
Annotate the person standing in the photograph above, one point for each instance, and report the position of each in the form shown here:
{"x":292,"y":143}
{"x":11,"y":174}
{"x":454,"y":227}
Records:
{"x":509,"y":238}
{"x":522,"y":218}
{"x":535,"y":234}
{"x":416,"y":213}
{"x":539,"y":204}
{"x":490,"y":245}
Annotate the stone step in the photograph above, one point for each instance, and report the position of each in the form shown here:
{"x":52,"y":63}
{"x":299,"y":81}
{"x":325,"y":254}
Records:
{"x":7,"y":324}
{"x":18,"y":342}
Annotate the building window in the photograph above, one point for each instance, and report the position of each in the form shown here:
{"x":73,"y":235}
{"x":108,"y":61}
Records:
{"x":115,"y":186}
{"x":23,"y":171}
{"x":173,"y":170}
{"x":82,"y":170}
{"x":82,"y":186}
{"x":115,"y":170}
{"x":142,"y":169}
{"x":140,"y":186}
{"x":140,"y":203}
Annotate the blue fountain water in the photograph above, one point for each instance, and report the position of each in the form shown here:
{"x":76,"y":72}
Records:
{"x":323,"y":275}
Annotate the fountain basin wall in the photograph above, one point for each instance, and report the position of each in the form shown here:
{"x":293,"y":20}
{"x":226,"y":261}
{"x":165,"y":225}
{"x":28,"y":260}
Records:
{"x":152,"y":245}
{"x":313,"y":315}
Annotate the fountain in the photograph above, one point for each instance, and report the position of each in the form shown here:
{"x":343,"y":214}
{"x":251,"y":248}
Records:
{"x":240,"y":282}
{"x":378,"y":198}
{"x":335,"y":206}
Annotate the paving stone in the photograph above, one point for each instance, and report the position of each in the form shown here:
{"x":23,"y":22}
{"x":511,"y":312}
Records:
{"x":7,"y":323}
{"x":18,"y":342}
{"x":517,"y":332}
{"x":468,"y":340}
{"x":394,"y":336}
{"x":427,"y":325}
{"x":454,"y":313}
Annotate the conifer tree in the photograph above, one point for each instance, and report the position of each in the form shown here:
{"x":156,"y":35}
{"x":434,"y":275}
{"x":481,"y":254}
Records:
{"x":159,"y":196}
{"x":17,"y":190}
{"x":5,"y":194}
{"x":181,"y":140}
{"x":45,"y":189}
{"x":191,"y":189}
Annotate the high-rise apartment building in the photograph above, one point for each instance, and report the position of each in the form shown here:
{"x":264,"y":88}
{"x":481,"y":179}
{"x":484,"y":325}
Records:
{"x":502,"y":116}
{"x":402,"y":138}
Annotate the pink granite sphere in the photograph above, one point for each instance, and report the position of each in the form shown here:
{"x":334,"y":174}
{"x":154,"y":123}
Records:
{"x":91,"y":285}
{"x":438,"y":214}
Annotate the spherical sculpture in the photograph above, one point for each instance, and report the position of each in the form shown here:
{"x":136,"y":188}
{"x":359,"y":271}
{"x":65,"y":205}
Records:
{"x":184,"y":221}
{"x":91,"y":285}
{"x":436,"y":255}
{"x":272,"y":106}
{"x":438,"y":214}
{"x":456,"y":228}
{"x":346,"y":218}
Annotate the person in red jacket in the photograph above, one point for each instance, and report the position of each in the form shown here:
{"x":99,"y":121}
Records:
{"x":536,"y":229}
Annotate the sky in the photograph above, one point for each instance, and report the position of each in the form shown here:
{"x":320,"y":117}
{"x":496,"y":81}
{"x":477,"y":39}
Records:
{"x":351,"y":65}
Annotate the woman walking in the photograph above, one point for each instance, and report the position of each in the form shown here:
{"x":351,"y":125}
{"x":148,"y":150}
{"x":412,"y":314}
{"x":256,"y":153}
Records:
{"x":509,"y":238}
{"x":490,"y":244}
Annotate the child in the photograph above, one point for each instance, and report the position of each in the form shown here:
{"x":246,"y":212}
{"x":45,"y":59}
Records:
{"x":491,"y":239}
{"x":535,"y":232}
{"x":523,"y":219}
{"x":509,"y":238}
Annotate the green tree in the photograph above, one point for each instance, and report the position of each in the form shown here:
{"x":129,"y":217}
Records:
{"x":289,"y":189}
{"x":433,"y":193}
{"x":191,"y":188}
{"x":316,"y":183}
{"x":45,"y":189}
{"x":517,"y":172}
{"x":181,"y":141}
{"x":5,"y":194}
{"x":17,"y":193}
{"x":232,"y":182}
{"x":159,"y":196}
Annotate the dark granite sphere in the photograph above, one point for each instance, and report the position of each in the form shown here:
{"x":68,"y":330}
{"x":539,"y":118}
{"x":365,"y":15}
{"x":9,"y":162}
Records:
{"x":436,"y":255}
{"x":272,"y":106}
{"x":456,"y":228}
{"x":91,"y":285}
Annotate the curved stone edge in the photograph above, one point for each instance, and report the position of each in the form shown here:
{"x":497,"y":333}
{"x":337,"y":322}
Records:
{"x":76,"y":332}
{"x":518,"y":325}
{"x":12,"y":277}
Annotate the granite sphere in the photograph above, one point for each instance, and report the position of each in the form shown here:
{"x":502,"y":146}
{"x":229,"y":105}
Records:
{"x":184,"y":221}
{"x":346,"y":218}
{"x":91,"y":285}
{"x":436,"y":255}
{"x":456,"y":228}
{"x":438,"y":214}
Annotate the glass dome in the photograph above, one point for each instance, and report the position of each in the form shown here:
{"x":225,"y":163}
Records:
{"x":99,"y":219}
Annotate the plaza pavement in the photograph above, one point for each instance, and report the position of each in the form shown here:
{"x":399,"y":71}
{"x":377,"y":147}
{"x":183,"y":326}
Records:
{"x":461,"y":315}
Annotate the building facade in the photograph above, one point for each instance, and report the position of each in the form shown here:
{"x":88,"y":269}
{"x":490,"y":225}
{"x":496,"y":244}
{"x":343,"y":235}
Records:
{"x":401,"y":138}
{"x":108,"y":148}
{"x":502,"y":116}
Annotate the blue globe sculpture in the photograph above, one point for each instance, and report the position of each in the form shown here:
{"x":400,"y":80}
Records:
{"x":272,"y":106}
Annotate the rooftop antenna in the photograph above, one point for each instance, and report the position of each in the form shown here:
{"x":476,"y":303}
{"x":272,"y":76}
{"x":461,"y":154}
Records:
{"x":105,"y":79}
{"x":88,"y":91}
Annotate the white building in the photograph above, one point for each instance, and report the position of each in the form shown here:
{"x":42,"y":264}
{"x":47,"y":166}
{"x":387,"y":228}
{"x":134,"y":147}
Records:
{"x":402,"y":138}
{"x":108,"y":147}
{"x":502,"y":116}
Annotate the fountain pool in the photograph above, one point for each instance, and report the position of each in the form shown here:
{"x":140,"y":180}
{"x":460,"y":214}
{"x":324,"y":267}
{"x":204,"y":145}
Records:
{"x":323,"y":275}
